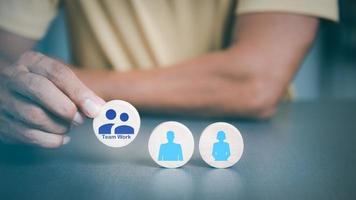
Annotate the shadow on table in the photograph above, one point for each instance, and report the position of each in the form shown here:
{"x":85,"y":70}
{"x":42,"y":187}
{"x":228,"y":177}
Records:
{"x":28,"y":155}
{"x":171,"y":184}
{"x":198,"y":162}
{"x":18,"y":155}
{"x":184,"y":183}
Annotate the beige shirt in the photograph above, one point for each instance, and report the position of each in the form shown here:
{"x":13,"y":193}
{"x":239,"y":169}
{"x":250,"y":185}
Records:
{"x":134,"y":34}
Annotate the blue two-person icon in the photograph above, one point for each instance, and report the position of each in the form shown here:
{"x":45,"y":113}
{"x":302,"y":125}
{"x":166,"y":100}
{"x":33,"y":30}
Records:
{"x":122,"y":129}
{"x":170,"y":151}
{"x":106,"y":128}
{"x":221,"y":149}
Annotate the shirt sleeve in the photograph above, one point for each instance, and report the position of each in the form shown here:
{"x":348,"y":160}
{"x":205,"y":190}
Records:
{"x":327,"y":9}
{"x":27,"y":18}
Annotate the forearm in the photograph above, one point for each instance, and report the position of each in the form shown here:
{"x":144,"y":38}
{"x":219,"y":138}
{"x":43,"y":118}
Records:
{"x":12,"y":46}
{"x":3,"y":63}
{"x":279,"y":42}
{"x":246,"y":80}
{"x":4,"y":60}
{"x":211,"y":85}
{"x":185,"y":87}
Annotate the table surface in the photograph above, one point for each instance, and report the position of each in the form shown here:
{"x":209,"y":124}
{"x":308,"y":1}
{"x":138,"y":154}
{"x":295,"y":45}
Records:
{"x":307,"y":151}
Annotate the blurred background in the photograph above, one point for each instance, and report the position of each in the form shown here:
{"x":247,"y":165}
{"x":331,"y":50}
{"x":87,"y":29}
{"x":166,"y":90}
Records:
{"x":328,"y":71}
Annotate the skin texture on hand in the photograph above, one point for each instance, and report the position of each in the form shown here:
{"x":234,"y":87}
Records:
{"x":41,"y":98}
{"x":247,"y":80}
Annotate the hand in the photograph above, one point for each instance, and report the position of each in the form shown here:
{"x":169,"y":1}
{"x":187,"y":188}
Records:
{"x":40,"y":99}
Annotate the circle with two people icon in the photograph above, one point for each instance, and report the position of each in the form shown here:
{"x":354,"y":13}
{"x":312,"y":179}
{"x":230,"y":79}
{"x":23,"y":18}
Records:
{"x":171,"y":144}
{"x":221,"y":145}
{"x":118,"y":123}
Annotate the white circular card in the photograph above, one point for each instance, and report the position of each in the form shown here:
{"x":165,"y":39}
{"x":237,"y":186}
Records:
{"x":118,"y":123}
{"x":171,"y":144}
{"x":221,"y":145}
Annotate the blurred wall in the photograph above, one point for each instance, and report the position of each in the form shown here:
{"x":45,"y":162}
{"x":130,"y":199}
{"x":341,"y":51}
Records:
{"x":330,"y":68}
{"x":56,"y":41}
{"x":328,"y":72}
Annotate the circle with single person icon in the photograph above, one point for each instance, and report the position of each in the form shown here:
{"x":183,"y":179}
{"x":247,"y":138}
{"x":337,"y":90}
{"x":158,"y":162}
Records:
{"x":171,"y":144}
{"x":221,"y":145}
{"x":117,"y":124}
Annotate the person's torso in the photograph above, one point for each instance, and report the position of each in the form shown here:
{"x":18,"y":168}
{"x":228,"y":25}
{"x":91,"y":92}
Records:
{"x":130,"y":34}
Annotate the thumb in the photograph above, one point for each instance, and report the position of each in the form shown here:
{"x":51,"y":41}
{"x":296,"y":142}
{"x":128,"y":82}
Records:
{"x":90,"y":105}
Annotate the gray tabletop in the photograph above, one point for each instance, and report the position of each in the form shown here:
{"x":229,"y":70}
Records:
{"x":307,"y":151}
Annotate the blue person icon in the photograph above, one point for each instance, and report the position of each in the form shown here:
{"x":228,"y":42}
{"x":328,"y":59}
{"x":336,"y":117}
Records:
{"x":221,"y":149}
{"x":124,"y":129}
{"x":170,"y":151}
{"x":106,"y":128}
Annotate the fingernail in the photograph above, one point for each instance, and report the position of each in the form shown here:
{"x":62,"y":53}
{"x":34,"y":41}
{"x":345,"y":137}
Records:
{"x":78,"y":119}
{"x":100,"y":101}
{"x":92,"y":109}
{"x":66,"y":140}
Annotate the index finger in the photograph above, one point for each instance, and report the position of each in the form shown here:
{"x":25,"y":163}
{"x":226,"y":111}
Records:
{"x":61,"y":75}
